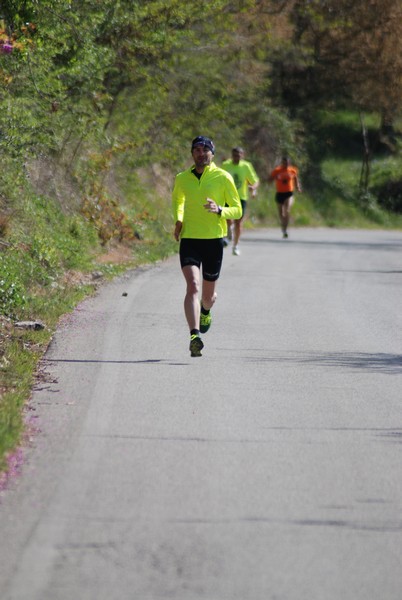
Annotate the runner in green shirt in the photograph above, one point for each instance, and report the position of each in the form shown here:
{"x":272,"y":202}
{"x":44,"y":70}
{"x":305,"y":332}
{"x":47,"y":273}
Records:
{"x":204,"y":196}
{"x":245,"y":178}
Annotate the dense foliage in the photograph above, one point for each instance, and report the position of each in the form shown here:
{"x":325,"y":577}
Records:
{"x":238,"y":70}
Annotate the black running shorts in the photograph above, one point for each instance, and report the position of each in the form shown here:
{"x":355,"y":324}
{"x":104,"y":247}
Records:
{"x":282,"y":196}
{"x":208,"y":253}
{"x":243,"y":207}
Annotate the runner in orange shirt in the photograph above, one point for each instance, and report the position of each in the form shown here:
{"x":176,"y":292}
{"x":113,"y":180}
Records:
{"x":286,"y":179}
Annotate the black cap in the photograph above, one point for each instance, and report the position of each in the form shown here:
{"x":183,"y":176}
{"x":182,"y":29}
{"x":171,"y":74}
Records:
{"x":201,"y":140}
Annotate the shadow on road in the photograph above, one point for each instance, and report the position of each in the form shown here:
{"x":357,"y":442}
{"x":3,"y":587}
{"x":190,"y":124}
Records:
{"x":390,"y":364}
{"x":378,"y":363}
{"x":114,"y":362}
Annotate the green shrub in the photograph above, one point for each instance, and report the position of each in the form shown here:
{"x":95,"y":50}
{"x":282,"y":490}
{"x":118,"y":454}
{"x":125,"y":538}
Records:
{"x":390,"y":196}
{"x":12,"y":290}
{"x":43,"y":252}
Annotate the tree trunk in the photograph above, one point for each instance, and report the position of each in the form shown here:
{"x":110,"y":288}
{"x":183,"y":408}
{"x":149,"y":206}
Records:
{"x":365,"y":170}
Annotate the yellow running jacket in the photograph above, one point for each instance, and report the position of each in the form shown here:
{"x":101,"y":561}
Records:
{"x":243,"y":174}
{"x":190,"y":194}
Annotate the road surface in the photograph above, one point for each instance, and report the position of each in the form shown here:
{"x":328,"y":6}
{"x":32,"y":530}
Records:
{"x":268,"y":469}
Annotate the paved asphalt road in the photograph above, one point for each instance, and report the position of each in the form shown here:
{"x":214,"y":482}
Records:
{"x":268,"y":469}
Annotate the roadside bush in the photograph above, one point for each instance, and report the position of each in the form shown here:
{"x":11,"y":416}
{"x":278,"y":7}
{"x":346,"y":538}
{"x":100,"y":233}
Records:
{"x":12,"y":290}
{"x":42,"y":251}
{"x":389,"y":196}
{"x":4,"y":224}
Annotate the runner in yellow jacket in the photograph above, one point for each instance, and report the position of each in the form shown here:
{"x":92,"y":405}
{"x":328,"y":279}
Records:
{"x":245,"y":178}
{"x":204,"y":196}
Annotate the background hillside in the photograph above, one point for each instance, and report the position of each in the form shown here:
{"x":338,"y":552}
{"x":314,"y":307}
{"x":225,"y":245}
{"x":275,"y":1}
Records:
{"x":99,"y":102}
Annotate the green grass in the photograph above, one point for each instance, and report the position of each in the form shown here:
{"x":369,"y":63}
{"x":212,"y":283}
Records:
{"x":262,"y":210}
{"x":333,"y":205}
{"x":19,"y":359}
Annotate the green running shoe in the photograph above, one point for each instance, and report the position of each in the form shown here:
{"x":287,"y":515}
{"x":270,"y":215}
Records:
{"x":196,"y":345}
{"x":205,"y":322}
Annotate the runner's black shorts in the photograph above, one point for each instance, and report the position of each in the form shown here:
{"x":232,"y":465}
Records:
{"x":280,"y":197}
{"x":243,"y":207}
{"x":208,"y":253}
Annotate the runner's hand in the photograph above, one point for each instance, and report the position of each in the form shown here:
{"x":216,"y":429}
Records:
{"x":211,"y":206}
{"x":177,"y":230}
